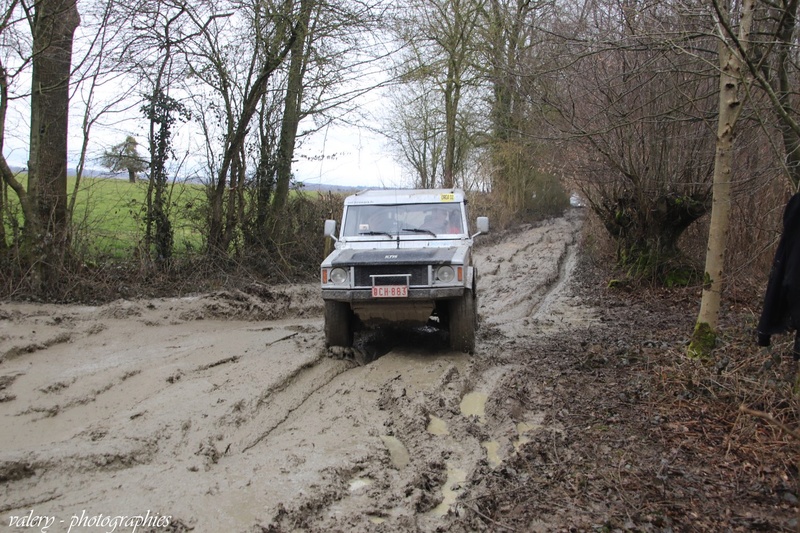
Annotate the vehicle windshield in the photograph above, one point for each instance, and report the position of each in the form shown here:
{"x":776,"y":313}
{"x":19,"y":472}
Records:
{"x":409,"y":219}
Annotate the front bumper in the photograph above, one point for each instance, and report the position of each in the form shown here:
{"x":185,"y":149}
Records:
{"x":365,"y":295}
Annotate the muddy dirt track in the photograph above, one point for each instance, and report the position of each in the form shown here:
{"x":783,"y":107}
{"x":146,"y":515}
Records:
{"x":223,"y":412}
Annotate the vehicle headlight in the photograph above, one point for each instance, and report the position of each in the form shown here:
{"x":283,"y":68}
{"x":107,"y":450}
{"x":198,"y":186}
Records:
{"x":445,"y":274}
{"x":338,"y":276}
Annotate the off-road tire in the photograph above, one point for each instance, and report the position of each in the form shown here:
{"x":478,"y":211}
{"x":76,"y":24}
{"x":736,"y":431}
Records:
{"x":338,"y":324}
{"x":463,"y":322}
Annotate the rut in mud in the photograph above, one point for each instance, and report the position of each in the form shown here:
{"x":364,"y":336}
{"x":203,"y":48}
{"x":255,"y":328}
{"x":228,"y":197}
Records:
{"x":224,"y":412}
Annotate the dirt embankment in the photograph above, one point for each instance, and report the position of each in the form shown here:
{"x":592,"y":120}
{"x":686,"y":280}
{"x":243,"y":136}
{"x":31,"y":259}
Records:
{"x":223,"y":412}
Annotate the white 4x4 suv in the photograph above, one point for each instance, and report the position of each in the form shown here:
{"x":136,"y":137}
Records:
{"x":402,"y":257}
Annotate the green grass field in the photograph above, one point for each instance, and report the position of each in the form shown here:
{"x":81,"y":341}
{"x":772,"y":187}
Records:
{"x":108,"y":220}
{"x":109,"y":215}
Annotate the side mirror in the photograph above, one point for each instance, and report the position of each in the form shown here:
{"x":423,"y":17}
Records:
{"x":483,"y":226}
{"x":330,"y":229}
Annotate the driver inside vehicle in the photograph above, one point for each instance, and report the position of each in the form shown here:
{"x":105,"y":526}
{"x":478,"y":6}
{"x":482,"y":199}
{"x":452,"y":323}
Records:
{"x":438,"y":221}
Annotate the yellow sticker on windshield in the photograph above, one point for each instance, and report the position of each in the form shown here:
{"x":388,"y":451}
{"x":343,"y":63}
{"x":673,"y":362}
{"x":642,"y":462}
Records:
{"x":447,"y":197}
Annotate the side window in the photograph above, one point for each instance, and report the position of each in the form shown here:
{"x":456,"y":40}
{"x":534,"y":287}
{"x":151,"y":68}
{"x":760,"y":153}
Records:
{"x":351,"y":223}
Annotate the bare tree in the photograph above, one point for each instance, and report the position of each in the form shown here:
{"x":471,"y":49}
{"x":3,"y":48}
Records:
{"x":241,"y":98}
{"x":416,"y":132}
{"x":732,"y":84}
{"x":773,"y":66}
{"x":162,"y":34}
{"x":518,"y":57}
{"x":48,"y":51}
{"x":96,"y":70}
{"x":301,"y":53}
{"x":91,"y":68}
{"x":158,"y":32}
{"x":15,"y":58}
{"x":292,"y":109}
{"x":634,"y":100}
{"x":441,"y":39}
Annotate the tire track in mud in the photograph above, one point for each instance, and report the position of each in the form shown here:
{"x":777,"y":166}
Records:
{"x":288,"y":396}
{"x":438,"y":420}
{"x":148,"y":420}
{"x":566,"y":265}
{"x":435,"y":439}
{"x":518,"y":290}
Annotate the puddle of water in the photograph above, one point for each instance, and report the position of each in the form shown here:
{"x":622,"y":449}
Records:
{"x":450,"y":490}
{"x":474,"y":403}
{"x":492,"y":452}
{"x":241,"y":506}
{"x":525,"y":427}
{"x":397,"y":451}
{"x":359,"y":483}
{"x":492,"y":455}
{"x":437,"y":426}
{"x":522,"y":429}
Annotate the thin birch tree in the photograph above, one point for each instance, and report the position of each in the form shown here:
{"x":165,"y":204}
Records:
{"x":732,"y":49}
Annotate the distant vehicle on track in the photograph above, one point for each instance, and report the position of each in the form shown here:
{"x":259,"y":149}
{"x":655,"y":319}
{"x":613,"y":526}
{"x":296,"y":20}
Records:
{"x":576,"y":201}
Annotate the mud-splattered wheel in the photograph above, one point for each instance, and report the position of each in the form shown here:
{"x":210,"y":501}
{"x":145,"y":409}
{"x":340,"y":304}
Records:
{"x":463,"y":322}
{"x":338,"y":324}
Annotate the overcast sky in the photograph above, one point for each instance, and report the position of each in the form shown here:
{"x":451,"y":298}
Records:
{"x":335,"y":155}
{"x":354,"y":156}
{"x":338,"y":154}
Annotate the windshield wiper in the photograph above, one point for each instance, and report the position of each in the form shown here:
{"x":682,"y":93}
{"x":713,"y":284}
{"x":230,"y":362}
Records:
{"x":420,"y":230}
{"x":376,"y":233}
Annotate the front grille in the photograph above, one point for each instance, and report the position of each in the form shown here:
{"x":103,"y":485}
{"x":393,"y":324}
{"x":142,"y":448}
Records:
{"x":391,"y":275}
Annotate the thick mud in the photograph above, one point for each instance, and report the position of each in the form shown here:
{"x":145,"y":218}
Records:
{"x":224,"y":412}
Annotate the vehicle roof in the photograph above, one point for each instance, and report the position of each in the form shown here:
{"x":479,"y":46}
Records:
{"x":405,"y":196}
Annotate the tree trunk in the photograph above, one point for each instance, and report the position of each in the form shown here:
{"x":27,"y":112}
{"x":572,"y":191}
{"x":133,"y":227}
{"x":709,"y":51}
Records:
{"x":291,"y":109}
{"x":730,"y":105}
{"x":4,"y":246}
{"x":55,"y":22}
{"x":235,"y":204}
{"x":264,"y":183}
{"x":452,"y":96}
{"x":647,"y":231}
